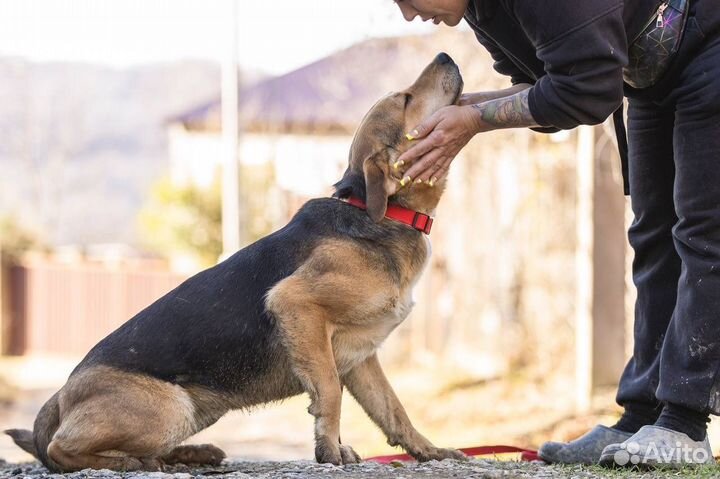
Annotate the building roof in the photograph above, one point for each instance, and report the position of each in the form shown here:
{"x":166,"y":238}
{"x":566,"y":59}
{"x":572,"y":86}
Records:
{"x":332,"y":95}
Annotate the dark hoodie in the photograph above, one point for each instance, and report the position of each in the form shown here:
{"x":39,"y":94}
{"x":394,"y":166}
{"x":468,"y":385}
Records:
{"x":572,"y":51}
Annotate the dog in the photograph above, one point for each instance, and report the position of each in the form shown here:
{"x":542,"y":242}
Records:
{"x":301,"y":310}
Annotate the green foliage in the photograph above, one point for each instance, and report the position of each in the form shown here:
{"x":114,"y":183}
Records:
{"x":15,"y":238}
{"x":260,"y":200}
{"x":183,"y":221}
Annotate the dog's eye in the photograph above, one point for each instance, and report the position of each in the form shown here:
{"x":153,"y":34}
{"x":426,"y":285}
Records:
{"x":408,"y":97}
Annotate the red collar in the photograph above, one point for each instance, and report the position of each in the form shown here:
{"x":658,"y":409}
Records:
{"x":419,"y":221}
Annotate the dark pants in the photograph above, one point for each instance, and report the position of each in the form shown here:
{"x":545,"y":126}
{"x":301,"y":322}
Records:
{"x":674,"y":160}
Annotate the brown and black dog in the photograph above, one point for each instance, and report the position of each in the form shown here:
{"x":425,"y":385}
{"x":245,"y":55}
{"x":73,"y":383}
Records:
{"x":301,"y":310}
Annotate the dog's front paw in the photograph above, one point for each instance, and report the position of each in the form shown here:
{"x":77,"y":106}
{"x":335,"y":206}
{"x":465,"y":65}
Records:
{"x":329,"y":451}
{"x":349,"y":456}
{"x":439,"y":454}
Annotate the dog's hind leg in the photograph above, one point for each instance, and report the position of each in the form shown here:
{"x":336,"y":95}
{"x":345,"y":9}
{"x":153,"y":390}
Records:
{"x":64,"y":454}
{"x":118,"y":420}
{"x":205,"y":454}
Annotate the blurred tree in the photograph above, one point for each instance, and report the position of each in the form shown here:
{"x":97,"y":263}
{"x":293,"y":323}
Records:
{"x":261,"y":200}
{"x":183,"y":221}
{"x":15,"y":238}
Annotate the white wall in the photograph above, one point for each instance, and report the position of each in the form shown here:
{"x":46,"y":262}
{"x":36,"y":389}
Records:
{"x":304,"y":165}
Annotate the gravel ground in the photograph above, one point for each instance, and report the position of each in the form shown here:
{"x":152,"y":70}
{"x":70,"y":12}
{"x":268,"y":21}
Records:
{"x":475,"y":468}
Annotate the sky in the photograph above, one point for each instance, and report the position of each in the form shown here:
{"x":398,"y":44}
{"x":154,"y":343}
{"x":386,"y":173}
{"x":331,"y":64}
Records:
{"x":275,"y":36}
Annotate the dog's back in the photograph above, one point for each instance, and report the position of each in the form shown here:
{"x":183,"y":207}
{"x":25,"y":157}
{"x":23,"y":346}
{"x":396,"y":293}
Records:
{"x":213,"y":331}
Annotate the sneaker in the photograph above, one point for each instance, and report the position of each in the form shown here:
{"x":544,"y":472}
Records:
{"x":653,"y":446}
{"x":583,"y":450}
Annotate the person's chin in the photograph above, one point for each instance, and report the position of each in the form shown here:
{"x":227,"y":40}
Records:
{"x":451,"y":22}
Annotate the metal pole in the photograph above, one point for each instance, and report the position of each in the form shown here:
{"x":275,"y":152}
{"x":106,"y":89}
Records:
{"x":231,"y":226}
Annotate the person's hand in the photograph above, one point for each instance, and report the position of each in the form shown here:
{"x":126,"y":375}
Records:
{"x":438,"y":139}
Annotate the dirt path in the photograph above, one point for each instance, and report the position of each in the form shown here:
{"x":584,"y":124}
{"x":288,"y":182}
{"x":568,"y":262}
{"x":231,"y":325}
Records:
{"x":310,"y":470}
{"x":450,"y":410}
{"x":307,"y":469}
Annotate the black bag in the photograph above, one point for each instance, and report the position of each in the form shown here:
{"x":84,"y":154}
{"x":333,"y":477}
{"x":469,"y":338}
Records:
{"x":649,"y":56}
{"x":651,"y":52}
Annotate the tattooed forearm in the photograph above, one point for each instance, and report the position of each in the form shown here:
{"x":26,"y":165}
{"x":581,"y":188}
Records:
{"x":483,"y":96}
{"x":509,"y":112}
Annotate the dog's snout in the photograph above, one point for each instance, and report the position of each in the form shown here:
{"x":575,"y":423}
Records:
{"x":443,"y":58}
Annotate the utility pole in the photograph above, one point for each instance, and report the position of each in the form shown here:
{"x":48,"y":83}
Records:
{"x":584,"y":263}
{"x":600,"y":266}
{"x":231,"y":208}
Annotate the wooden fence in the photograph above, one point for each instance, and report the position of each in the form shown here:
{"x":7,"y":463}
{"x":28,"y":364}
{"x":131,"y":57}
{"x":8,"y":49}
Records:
{"x":55,"y":308}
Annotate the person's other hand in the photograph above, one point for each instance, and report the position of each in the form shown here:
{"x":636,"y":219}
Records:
{"x":438,"y":139}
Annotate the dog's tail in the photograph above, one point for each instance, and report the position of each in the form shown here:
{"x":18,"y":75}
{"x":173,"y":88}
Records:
{"x":36,"y":442}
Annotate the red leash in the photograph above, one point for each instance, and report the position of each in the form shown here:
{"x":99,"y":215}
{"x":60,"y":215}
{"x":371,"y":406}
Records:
{"x":525,"y":454}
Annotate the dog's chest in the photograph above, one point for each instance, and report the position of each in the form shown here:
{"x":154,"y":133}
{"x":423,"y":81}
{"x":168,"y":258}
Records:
{"x":356,"y":340}
{"x":353,"y":343}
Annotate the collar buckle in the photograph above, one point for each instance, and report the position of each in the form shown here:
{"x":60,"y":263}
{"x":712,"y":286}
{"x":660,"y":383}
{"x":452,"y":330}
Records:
{"x":416,"y":220}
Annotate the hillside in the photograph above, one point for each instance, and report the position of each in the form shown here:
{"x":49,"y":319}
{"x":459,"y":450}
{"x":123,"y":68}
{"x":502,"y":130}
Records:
{"x":80,"y":144}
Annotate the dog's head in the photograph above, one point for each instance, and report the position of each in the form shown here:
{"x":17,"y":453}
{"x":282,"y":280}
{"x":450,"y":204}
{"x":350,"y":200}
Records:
{"x":380,"y":140}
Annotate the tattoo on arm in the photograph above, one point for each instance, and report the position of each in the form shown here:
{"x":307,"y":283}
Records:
{"x":482,"y":97}
{"x":509,"y":112}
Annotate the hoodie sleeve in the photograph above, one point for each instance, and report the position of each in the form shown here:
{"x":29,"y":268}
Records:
{"x":502,"y":64}
{"x":505,"y":66}
{"x":583,"y":47}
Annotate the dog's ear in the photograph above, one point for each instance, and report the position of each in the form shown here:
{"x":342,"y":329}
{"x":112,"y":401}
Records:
{"x":375,"y":169}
